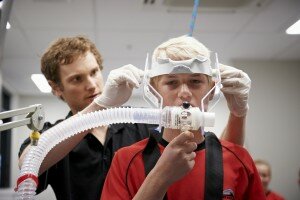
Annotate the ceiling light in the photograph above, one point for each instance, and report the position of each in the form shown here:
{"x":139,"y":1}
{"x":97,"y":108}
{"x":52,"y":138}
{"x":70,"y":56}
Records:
{"x":8,"y":25}
{"x":41,"y":82}
{"x":1,"y":3}
{"x":294,"y":29}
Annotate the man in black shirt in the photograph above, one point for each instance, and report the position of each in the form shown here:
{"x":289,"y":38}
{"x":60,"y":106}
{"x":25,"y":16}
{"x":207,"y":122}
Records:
{"x":76,"y":168}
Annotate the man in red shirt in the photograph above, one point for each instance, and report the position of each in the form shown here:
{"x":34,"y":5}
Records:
{"x":182,"y":73}
{"x":264,"y":170}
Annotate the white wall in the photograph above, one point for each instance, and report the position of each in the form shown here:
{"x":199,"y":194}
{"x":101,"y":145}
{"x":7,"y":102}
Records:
{"x":272,"y":126}
{"x":274,"y":121}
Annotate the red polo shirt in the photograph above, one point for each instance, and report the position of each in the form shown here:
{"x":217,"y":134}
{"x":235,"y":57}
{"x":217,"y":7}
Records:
{"x":241,"y":180}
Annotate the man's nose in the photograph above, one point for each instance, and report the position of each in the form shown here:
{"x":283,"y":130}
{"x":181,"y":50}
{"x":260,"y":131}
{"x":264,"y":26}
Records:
{"x":91,"y":83}
{"x":184,"y":93}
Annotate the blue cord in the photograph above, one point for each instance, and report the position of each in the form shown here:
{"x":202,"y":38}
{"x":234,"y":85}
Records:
{"x":194,"y":15}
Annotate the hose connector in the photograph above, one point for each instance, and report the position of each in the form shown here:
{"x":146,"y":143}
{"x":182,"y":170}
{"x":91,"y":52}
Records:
{"x":25,"y":177}
{"x":34,"y":138}
{"x":186,"y":118}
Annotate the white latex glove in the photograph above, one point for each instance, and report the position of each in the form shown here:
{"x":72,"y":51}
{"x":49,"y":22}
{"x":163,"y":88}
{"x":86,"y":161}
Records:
{"x":118,"y":87}
{"x":236,"y":87}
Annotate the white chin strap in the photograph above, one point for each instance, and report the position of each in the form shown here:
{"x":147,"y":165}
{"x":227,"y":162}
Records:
{"x":167,"y":66}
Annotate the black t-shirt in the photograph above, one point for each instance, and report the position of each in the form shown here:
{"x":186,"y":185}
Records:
{"x":81,"y":174}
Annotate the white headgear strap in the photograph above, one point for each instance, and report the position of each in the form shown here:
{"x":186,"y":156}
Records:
{"x":167,"y":66}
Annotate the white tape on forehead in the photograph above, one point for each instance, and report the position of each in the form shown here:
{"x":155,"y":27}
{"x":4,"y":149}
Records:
{"x":167,"y":66}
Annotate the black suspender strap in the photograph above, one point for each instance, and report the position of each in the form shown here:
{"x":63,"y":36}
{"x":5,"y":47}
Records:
{"x":151,"y":154}
{"x":213,"y":168}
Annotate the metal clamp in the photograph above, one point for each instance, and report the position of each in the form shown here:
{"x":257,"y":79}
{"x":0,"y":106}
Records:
{"x":34,"y":119}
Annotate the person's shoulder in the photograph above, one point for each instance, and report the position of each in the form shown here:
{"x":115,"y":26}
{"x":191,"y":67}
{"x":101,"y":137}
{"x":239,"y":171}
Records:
{"x":27,"y":141}
{"x":234,"y":148}
{"x":274,"y":195}
{"x":48,"y":125}
{"x":238,"y":152}
{"x":124,"y":156}
{"x":140,"y":131}
{"x":133,"y":149}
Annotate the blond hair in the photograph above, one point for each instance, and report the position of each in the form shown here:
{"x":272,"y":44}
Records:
{"x":179,"y":48}
{"x":263,"y":162}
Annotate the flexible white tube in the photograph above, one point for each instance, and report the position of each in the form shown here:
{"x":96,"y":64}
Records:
{"x":169,"y":117}
{"x":33,"y":159}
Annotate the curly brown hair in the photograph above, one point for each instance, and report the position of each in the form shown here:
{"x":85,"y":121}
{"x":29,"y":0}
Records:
{"x":64,"y":51}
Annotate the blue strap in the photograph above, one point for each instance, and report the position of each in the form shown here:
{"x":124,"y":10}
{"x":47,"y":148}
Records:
{"x":193,"y":19}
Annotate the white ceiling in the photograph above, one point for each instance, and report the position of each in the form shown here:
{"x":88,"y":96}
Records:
{"x":125,"y":30}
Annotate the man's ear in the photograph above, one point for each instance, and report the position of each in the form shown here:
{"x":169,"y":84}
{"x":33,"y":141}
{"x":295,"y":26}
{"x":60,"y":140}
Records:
{"x":56,"y":89}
